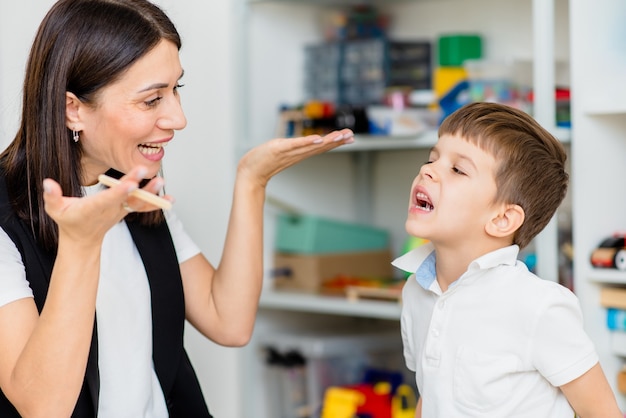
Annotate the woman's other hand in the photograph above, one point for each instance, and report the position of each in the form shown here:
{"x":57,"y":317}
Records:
{"x":87,"y":219}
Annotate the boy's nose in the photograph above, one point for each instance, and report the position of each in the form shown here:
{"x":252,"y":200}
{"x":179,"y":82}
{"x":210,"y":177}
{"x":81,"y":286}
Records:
{"x":428,"y":170}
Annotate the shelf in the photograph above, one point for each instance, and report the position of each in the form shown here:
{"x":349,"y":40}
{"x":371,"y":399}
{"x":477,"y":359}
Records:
{"x":302,"y":302}
{"x":379,"y":142}
{"x":423,"y":141}
{"x":607,"y":110}
{"x":609,"y":276}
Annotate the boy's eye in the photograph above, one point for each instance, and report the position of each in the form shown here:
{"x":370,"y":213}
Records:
{"x":458,"y":171}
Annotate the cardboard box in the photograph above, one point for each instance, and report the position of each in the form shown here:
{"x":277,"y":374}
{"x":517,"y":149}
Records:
{"x":306,"y":272}
{"x":613,"y":297}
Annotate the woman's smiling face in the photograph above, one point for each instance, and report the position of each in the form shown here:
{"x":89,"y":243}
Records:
{"x":135,"y":117}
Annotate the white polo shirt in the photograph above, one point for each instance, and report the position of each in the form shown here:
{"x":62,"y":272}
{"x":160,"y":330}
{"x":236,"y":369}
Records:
{"x":498,"y":343}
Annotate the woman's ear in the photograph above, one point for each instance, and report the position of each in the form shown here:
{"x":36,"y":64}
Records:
{"x":506,"y":222}
{"x":72,"y":112}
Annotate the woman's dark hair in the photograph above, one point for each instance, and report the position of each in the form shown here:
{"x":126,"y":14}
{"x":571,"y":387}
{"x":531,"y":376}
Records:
{"x":81,"y":47}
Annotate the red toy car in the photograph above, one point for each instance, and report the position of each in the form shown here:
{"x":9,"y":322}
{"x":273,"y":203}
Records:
{"x":611,"y":253}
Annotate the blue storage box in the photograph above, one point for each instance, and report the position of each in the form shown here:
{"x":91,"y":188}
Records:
{"x":315,"y":235}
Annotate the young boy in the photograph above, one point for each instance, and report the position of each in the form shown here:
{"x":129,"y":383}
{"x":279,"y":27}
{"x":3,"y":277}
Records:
{"x":484,"y":336}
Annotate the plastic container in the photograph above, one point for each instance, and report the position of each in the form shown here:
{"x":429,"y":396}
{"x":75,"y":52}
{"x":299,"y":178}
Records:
{"x":454,"y":49}
{"x":330,"y":359}
{"x":316,"y":235}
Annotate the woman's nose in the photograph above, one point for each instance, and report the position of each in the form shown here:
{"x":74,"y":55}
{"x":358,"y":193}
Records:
{"x":173,"y":116}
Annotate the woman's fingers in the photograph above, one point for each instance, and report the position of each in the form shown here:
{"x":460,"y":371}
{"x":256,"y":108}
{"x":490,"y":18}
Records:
{"x":268,"y":159}
{"x":52,"y":195}
{"x":323,"y":143}
{"x":148,"y":198}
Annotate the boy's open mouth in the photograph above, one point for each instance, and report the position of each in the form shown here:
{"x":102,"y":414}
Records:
{"x":423,"y":202}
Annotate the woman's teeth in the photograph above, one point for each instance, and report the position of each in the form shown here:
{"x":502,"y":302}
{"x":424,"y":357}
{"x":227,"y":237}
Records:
{"x":150,"y":149}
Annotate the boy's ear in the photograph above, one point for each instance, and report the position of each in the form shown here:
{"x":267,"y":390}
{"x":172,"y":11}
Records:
{"x":506,"y":222}
{"x":72,"y":112}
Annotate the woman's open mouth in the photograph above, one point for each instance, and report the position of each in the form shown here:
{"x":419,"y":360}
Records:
{"x":151,"y":148}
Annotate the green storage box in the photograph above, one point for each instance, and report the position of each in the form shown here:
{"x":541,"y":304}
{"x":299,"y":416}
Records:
{"x":453,"y":50}
{"x":315,"y":235}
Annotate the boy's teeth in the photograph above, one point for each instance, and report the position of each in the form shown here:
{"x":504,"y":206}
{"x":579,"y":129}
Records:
{"x":423,"y":202}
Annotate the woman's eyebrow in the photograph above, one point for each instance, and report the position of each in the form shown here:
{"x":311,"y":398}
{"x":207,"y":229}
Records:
{"x":157,"y":86}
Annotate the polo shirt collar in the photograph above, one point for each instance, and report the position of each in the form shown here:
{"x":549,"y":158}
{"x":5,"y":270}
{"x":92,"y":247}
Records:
{"x":422,"y":262}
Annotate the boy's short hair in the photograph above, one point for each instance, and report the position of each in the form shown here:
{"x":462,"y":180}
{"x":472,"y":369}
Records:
{"x":530,"y":162}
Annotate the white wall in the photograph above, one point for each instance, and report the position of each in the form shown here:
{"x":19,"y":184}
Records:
{"x":199,"y":167}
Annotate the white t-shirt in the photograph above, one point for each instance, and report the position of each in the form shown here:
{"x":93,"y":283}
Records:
{"x":498,"y":343}
{"x":129,"y":387}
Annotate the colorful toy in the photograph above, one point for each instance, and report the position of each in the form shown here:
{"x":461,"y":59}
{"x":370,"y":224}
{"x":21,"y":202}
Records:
{"x":341,"y":402}
{"x":370,"y":400}
{"x":403,"y":402}
{"x":611,"y":253}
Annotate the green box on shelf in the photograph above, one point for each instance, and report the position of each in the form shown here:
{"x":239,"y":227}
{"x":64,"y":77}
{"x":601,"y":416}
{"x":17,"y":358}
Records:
{"x":316,"y":235}
{"x":453,"y":50}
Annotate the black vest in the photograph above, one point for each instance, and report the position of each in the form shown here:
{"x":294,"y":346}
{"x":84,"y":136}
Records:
{"x":178,"y":380}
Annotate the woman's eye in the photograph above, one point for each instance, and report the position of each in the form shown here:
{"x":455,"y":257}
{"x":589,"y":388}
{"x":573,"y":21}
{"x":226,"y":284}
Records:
{"x":153,"y":102}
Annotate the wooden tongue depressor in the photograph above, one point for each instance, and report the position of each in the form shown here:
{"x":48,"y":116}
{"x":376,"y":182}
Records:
{"x":138,"y":193}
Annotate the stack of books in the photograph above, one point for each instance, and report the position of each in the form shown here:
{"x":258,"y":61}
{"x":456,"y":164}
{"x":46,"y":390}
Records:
{"x":614,"y":300}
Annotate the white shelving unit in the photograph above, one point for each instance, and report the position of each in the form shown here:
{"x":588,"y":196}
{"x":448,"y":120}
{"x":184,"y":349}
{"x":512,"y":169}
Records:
{"x":370,"y":178}
{"x":598,"y":60}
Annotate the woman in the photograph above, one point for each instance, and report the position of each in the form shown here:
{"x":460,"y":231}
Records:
{"x":92,"y":309}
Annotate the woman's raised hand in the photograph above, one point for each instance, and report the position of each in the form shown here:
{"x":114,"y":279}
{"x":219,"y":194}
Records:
{"x":268,"y":159}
